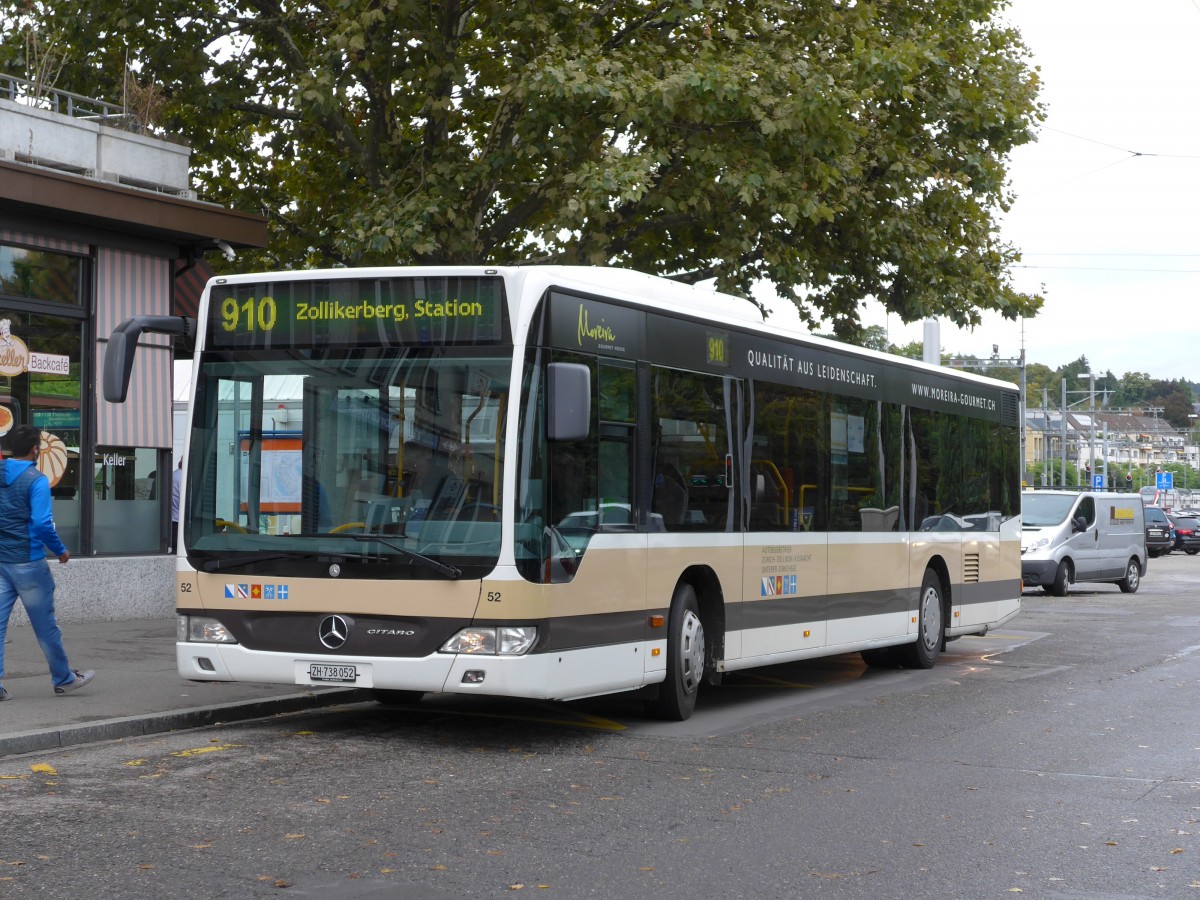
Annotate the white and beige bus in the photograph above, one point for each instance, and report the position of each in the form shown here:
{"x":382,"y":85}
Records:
{"x":559,"y":482}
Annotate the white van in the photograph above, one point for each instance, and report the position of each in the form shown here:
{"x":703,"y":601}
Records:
{"x":1071,"y":536}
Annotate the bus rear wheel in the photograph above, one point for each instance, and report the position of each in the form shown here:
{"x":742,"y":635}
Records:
{"x":930,"y":626}
{"x":880,"y":657}
{"x":685,"y":658}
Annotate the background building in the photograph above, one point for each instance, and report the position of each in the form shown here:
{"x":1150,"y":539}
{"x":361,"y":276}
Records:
{"x":98,"y":223}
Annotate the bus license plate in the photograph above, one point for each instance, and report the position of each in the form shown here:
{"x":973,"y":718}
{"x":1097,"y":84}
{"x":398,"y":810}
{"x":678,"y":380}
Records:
{"x":327,"y":672}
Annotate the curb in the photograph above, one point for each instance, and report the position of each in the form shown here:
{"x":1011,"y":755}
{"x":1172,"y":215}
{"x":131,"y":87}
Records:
{"x":157,"y":723}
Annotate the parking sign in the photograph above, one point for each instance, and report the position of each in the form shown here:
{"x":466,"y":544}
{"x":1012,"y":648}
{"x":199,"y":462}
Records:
{"x":1164,"y":481}
{"x":1097,"y":482}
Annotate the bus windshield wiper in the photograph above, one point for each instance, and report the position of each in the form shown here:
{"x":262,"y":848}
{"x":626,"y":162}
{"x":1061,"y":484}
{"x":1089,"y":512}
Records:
{"x":212,"y":565}
{"x":438,"y":566}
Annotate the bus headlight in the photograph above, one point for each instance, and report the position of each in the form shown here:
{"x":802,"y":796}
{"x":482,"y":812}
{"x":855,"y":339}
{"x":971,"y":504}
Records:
{"x":202,"y":630}
{"x":503,"y":641}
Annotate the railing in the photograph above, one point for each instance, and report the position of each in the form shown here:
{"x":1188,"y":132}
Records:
{"x":66,"y":103}
{"x":1079,"y":488}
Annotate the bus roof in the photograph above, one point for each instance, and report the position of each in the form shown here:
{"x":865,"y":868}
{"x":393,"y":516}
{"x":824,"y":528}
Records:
{"x":626,"y":285}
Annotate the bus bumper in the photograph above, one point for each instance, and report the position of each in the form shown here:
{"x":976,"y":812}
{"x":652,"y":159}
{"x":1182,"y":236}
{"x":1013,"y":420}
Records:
{"x":564,"y":675}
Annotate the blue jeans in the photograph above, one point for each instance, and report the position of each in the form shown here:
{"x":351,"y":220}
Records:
{"x":34,"y":584}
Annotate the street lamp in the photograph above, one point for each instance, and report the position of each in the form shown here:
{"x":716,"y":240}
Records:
{"x":1091,"y":376}
{"x":1188,"y":444}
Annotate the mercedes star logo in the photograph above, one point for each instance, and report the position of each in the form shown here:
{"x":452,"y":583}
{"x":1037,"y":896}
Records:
{"x":333,"y":631}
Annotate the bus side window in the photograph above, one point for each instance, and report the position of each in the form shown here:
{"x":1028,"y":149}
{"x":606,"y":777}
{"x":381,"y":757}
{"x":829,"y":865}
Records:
{"x":690,"y":447}
{"x":789,"y":460}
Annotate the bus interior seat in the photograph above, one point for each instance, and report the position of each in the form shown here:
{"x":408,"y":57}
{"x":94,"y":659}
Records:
{"x":765,"y":513}
{"x":874,"y":519}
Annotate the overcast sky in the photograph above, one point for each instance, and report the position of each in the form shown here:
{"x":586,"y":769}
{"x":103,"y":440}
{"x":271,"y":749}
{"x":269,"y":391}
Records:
{"x":1110,"y":238}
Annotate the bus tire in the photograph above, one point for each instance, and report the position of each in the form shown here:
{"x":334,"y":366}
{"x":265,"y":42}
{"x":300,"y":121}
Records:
{"x":685,"y":658}
{"x":395,"y":698}
{"x":931,"y":626}
{"x":1133,"y":577}
{"x":879,"y":657}
{"x":1062,"y":578}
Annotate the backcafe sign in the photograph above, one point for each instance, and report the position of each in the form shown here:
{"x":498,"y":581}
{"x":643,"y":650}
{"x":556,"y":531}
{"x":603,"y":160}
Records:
{"x":16,"y":358}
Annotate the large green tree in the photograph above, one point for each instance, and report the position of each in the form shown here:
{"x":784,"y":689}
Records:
{"x":839,"y":150}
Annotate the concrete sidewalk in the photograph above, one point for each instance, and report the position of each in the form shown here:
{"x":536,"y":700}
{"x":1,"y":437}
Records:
{"x":137,"y":690}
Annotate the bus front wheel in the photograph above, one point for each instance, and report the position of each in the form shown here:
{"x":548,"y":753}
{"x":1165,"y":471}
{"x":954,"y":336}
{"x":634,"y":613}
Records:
{"x":685,"y":658}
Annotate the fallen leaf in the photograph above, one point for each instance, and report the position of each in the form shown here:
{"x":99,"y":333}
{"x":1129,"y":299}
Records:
{"x":196,"y":751}
{"x":136,"y":762}
{"x":45,"y":768}
{"x":293,"y":837}
{"x":1177,"y":850}
{"x":146,"y":866}
{"x":439,"y":868}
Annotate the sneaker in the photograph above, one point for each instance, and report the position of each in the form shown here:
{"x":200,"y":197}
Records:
{"x":4,"y":695}
{"x":81,"y":680}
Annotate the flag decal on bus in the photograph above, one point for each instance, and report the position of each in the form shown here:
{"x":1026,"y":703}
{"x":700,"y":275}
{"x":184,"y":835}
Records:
{"x":256,"y":592}
{"x":778,"y":585}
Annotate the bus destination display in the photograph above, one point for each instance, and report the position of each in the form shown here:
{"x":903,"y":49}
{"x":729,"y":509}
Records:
{"x":356,"y":312}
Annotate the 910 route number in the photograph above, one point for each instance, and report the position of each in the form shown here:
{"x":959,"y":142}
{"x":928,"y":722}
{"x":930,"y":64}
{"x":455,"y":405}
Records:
{"x":260,"y":315}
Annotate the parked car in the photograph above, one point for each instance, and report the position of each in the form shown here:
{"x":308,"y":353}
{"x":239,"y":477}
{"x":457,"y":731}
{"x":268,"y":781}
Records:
{"x":1160,"y":536}
{"x":1187,"y":534}
{"x":1069,"y":537}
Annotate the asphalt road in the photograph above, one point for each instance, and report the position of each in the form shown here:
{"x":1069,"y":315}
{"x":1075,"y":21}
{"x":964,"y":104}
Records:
{"x":1058,"y":757}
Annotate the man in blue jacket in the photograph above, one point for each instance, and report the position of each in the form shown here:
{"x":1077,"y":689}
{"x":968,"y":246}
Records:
{"x":26,"y":530}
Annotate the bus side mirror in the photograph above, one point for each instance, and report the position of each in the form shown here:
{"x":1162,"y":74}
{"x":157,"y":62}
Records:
{"x":122,"y":344}
{"x":568,"y":401}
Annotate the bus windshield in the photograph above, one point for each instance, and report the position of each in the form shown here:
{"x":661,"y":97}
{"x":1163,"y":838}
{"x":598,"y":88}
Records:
{"x":385,"y":463}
